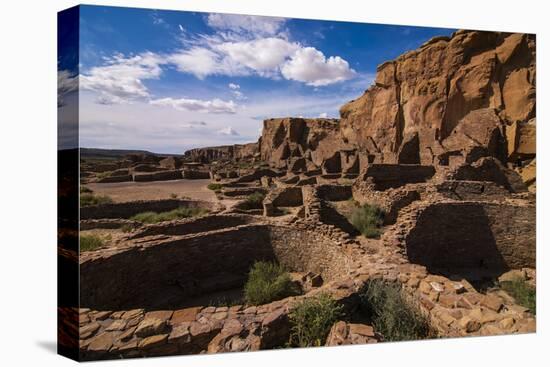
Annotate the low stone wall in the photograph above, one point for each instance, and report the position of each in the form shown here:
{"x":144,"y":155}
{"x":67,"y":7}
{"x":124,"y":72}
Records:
{"x":107,"y":224}
{"x":244,"y":191}
{"x":386,"y":176}
{"x":483,"y":235}
{"x":169,"y":272}
{"x":109,"y":179}
{"x":192,"y":225}
{"x":128,"y":209}
{"x":192,"y":174}
{"x":158,"y":176}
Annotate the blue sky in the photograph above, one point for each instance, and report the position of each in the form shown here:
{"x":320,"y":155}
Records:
{"x":168,"y":81}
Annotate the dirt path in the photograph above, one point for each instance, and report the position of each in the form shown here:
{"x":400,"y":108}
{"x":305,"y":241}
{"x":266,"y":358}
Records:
{"x":132,"y":191}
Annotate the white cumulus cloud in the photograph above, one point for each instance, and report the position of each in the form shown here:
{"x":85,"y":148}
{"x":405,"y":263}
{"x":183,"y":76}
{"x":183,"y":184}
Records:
{"x":120,"y":80}
{"x":233,"y":86}
{"x":310,"y":66}
{"x":323,"y":115}
{"x":262,"y":56}
{"x":197,"y":105}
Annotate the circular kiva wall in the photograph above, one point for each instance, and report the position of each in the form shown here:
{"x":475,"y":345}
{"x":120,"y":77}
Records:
{"x":169,"y":272}
{"x":482,"y":235}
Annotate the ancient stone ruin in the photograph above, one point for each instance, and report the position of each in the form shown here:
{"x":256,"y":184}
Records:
{"x":443,"y":142}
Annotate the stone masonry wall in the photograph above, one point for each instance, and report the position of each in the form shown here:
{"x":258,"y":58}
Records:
{"x":193,"y":225}
{"x":308,"y":251}
{"x":128,"y":209}
{"x":454,"y":235}
{"x":140,"y":276}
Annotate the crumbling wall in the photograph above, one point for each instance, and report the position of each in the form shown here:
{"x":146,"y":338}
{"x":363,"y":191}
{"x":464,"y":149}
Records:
{"x":143,"y":277}
{"x":484,"y":235}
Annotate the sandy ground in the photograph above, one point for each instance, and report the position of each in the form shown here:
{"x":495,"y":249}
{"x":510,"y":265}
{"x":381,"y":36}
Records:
{"x":132,"y":191}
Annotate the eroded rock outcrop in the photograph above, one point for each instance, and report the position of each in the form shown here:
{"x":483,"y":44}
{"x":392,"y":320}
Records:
{"x":450,"y":95}
{"x":229,"y":152}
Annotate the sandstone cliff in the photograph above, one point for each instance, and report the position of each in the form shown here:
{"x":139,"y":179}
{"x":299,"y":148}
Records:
{"x":450,"y":102}
{"x":475,"y":89}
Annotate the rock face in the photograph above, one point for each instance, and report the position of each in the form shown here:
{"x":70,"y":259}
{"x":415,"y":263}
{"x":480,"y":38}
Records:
{"x":452,"y":101}
{"x":450,"y":95}
{"x":319,"y":141}
{"x":230,"y":152}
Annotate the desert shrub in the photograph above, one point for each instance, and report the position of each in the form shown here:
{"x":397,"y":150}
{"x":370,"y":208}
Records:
{"x":85,"y":190}
{"x":368,"y":219}
{"x":179,"y":213}
{"x":214,"y":186}
{"x":267,"y":282}
{"x":311,"y":320}
{"x":173,"y":196}
{"x":524,"y":293}
{"x":90,"y":242}
{"x":391,"y":313}
{"x":127,"y":228}
{"x":254,"y":200}
{"x":91,"y":199}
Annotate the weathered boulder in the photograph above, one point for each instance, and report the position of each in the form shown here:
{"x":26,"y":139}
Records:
{"x":522,"y":140}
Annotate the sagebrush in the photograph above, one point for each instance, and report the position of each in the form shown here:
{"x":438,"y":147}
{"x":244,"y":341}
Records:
{"x":392,"y":314}
{"x":90,"y":242}
{"x":524,"y":293}
{"x":267,"y":282}
{"x":368,"y":219}
{"x":311,"y":320}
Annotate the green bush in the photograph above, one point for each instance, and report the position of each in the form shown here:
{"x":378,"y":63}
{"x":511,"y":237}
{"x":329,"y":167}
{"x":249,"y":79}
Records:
{"x":85,"y":190}
{"x":268,"y":282}
{"x":179,"y":213}
{"x":255,"y":200}
{"x":524,"y":293}
{"x":368,"y":219}
{"x":90,"y":242}
{"x":127,"y":228}
{"x":311,"y":320}
{"x":91,"y":199}
{"x":391,"y":313}
{"x":214,"y":186}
